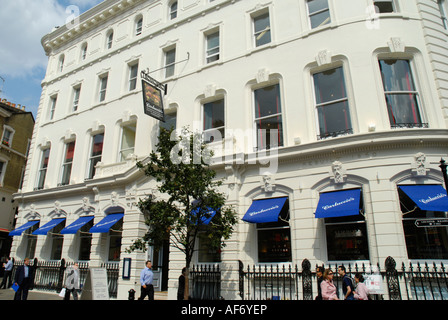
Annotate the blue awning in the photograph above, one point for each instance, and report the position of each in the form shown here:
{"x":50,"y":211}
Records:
{"x":75,"y":226}
{"x":266,"y":210}
{"x":339,"y":204}
{"x":428,"y":197}
{"x":204,"y":219}
{"x":47,"y":227}
{"x":26,"y":226}
{"x":105,"y":224}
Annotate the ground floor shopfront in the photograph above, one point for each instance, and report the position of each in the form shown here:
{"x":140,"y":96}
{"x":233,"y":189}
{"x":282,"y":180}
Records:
{"x":341,"y":201}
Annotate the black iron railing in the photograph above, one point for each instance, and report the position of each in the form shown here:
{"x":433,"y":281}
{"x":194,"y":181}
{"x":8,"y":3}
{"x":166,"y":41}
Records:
{"x":50,"y":275}
{"x":205,"y":282}
{"x":291,"y":282}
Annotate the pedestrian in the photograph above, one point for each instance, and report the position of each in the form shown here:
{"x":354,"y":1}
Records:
{"x":181,"y":287}
{"x":329,"y":291}
{"x":7,"y":275}
{"x":347,"y":284}
{"x":146,"y":278}
{"x":72,"y":282}
{"x":24,"y":278}
{"x":361,"y":291}
{"x":319,"y":275}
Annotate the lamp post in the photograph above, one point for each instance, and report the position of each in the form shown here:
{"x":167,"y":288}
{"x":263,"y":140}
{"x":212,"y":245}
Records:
{"x":443,"y":166}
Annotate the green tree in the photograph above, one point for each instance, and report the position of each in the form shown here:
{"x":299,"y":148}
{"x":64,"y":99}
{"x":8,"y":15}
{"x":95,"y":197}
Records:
{"x":188,"y":197}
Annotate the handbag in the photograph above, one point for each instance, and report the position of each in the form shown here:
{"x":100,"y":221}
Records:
{"x":62,"y":293}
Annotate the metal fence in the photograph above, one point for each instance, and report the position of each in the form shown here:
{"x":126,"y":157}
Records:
{"x":205,"y":282}
{"x":50,"y":275}
{"x":291,"y":282}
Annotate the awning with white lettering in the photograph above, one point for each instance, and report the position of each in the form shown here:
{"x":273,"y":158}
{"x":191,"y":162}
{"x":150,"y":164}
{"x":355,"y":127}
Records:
{"x":104,"y":225}
{"x":26,"y":226}
{"x":427,"y":197}
{"x":339,"y":204}
{"x":48,"y":226}
{"x":265,"y":210}
{"x":78,"y":224}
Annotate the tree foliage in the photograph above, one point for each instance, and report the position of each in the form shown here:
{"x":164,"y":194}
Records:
{"x":187,"y":196}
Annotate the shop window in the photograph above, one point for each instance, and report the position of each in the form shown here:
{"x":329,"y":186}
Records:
{"x":332,"y":105}
{"x":422,"y":242}
{"x":274,"y":239}
{"x":85,"y":241}
{"x":347,"y":237}
{"x":57,"y":241}
{"x":115,"y":236}
{"x":206,"y":254}
{"x":31,"y":241}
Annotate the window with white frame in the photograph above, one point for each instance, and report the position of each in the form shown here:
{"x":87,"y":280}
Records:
{"x":443,"y":7}
{"x":262,"y":29}
{"x":268,"y":117}
{"x":173,"y":10}
{"x":401,"y":94}
{"x":8,"y":134}
{"x":170,"y":121}
{"x":53,"y":101}
{"x":95,"y":153}
{"x":103,"y":87}
{"x":110,"y":39}
{"x":384,"y":6}
{"x":214,"y":121}
{"x":76,"y":94}
{"x":43,"y":168}
{"x":138,"y":26}
{"x":170,"y":61}
{"x":133,"y":73}
{"x":84,"y":51}
{"x":213,"y":47}
{"x":331,"y":102}
{"x":318,"y":13}
{"x":61,"y":63}
{"x":127,"y":141}
{"x":2,"y":171}
{"x":68,"y":162}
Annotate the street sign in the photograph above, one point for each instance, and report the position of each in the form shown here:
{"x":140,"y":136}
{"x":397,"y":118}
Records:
{"x":430,"y":223}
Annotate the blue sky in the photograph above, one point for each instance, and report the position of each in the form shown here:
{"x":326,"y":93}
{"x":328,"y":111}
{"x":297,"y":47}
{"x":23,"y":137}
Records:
{"x":23,"y":62}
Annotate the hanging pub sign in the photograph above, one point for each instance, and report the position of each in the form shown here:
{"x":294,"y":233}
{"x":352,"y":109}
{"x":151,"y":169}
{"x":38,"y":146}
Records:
{"x":153,"y":97}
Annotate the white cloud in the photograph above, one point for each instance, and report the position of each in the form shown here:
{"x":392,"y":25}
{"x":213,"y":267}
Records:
{"x":24,"y":23}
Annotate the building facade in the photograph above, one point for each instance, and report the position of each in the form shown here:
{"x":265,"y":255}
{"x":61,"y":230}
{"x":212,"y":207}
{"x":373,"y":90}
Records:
{"x":16,"y":127}
{"x":311,"y":106}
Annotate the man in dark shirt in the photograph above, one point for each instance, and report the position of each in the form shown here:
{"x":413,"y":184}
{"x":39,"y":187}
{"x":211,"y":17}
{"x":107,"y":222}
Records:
{"x":24,"y":279}
{"x":347,"y":284}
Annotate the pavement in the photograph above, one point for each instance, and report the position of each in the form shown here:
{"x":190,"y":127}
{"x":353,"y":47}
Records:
{"x":8,"y":294}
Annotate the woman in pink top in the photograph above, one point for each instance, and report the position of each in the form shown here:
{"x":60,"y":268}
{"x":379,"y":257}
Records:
{"x":361,"y":289}
{"x":327,"y":286}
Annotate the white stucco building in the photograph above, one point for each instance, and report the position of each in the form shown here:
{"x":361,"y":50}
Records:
{"x":358,"y":98}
